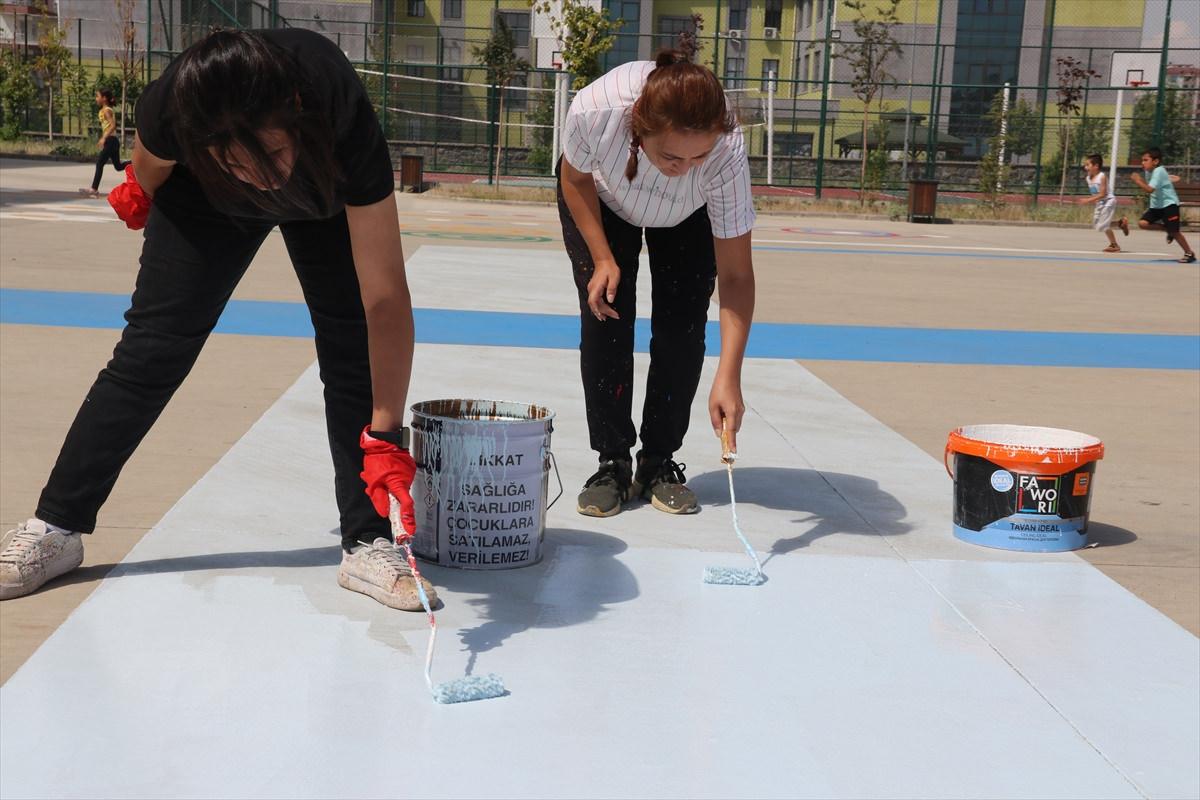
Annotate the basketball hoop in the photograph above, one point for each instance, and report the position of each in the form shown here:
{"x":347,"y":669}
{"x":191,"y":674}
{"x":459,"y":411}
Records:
{"x":1139,"y":84}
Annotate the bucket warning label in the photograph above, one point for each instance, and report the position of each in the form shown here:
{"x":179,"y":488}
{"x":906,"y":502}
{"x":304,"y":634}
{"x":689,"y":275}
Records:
{"x":1082,"y":481}
{"x":480,"y":494}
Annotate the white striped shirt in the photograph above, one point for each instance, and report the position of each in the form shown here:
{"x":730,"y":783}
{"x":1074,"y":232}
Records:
{"x":597,"y":141}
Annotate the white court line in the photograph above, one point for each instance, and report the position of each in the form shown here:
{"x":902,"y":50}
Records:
{"x":951,"y":247}
{"x":93,"y":208}
{"x":49,"y":216}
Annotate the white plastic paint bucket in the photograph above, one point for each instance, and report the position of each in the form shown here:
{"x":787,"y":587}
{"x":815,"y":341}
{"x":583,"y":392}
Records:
{"x":482,"y":484}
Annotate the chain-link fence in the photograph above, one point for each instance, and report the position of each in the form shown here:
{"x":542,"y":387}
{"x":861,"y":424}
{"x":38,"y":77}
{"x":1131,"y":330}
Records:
{"x":972,"y":109}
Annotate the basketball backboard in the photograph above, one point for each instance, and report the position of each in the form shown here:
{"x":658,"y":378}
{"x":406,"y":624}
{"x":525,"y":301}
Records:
{"x":1134,"y":68}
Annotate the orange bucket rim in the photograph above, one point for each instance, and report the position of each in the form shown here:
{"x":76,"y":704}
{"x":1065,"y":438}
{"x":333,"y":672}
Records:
{"x":967,"y":440}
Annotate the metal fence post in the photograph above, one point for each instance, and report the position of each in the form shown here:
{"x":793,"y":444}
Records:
{"x":387,"y":60}
{"x":1162,"y":79}
{"x":1043,"y":92}
{"x":935,"y":100}
{"x":820,"y":178}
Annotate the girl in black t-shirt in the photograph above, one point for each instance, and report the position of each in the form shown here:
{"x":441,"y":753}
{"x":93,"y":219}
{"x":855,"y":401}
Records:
{"x":244,"y":132}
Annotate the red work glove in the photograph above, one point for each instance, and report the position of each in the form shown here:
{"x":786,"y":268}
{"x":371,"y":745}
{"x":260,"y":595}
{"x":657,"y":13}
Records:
{"x":388,"y":469}
{"x":130,"y":202}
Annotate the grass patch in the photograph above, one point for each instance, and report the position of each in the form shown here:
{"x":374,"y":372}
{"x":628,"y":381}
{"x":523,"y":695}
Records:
{"x":477,"y":191}
{"x":959,"y":210}
{"x":69,"y":147}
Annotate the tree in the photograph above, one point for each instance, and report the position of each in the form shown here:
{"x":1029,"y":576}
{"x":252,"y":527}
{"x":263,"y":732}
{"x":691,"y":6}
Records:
{"x":1180,"y":142}
{"x":129,"y":61}
{"x":1086,"y":135}
{"x":868,"y":59}
{"x":79,"y":89}
{"x":52,"y":60}
{"x":1021,"y":137}
{"x":17,"y":92}
{"x":1072,"y":77}
{"x":688,"y":40}
{"x":543,"y":136}
{"x":499,"y":56}
{"x":584,"y":33}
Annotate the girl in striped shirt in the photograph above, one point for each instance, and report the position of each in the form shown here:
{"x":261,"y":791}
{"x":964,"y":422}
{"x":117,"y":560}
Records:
{"x":652,"y":147}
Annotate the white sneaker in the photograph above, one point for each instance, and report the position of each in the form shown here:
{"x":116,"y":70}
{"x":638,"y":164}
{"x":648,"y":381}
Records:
{"x":33,"y":554}
{"x":379,"y":570}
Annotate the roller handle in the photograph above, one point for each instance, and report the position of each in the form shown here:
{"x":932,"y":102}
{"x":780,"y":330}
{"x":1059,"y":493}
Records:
{"x":728,"y":456}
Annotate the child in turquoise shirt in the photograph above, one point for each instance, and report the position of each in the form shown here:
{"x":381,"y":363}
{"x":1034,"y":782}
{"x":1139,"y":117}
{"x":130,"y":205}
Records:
{"x":1163,"y":214}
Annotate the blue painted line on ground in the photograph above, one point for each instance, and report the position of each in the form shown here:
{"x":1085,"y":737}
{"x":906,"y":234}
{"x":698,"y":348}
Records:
{"x":767,"y":340}
{"x":967,"y":255}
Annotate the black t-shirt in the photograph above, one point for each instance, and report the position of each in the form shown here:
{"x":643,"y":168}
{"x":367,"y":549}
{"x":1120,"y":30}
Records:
{"x":359,"y":147}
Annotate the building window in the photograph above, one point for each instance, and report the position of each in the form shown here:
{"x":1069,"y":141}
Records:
{"x":669,"y":29}
{"x":988,"y":53}
{"x":452,"y":54}
{"x":451,"y":9}
{"x":625,"y":48}
{"x":416,"y":8}
{"x":737,"y":14}
{"x":770,"y":65}
{"x":518,"y":23}
{"x":820,"y":4}
{"x":793,"y":144}
{"x":735,"y":72}
{"x":414,"y":55}
{"x":774,"y":14}
{"x":516,"y":99}
{"x":804,"y":9}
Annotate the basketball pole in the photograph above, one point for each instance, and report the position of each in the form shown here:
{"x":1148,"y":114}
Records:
{"x":1112,"y":158}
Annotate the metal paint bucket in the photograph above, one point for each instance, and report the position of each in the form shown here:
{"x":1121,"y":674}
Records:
{"x":482,"y":483}
{"x":1018,"y":487}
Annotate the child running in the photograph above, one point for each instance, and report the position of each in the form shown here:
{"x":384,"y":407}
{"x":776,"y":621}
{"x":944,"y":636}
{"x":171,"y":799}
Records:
{"x":1100,"y":192}
{"x":1163,"y":214}
{"x":110,"y":144}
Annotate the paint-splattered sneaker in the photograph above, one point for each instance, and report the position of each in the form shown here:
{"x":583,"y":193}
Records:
{"x":1188,"y":258}
{"x":379,"y":570}
{"x":34,"y":553}
{"x":92,"y":193}
{"x":662,"y":482}
{"x":604,"y":492}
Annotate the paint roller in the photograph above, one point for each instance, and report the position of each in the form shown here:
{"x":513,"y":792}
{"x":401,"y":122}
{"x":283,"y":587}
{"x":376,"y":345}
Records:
{"x":734,"y":576}
{"x":458,"y":690}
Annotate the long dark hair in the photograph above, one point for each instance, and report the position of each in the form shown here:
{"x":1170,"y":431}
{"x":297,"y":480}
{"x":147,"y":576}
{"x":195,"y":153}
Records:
{"x":678,"y":96}
{"x":228,"y":88}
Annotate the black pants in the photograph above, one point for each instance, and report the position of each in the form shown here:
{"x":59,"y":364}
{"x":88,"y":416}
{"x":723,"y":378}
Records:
{"x":683,"y":275}
{"x":190,"y":265}
{"x":110,"y":152}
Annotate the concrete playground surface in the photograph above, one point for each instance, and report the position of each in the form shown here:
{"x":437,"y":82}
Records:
{"x":204,"y":648}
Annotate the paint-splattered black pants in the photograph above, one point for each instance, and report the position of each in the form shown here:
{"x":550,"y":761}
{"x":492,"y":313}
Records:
{"x":683,"y":275}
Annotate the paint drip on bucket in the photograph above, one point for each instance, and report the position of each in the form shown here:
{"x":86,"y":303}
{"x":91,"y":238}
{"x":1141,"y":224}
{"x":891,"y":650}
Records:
{"x":1025,"y":488}
{"x":481,"y":488}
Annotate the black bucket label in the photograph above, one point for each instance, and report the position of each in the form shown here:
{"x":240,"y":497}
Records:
{"x":1000,"y":507}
